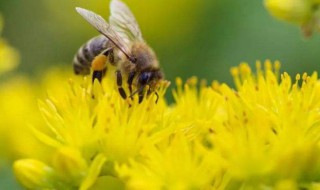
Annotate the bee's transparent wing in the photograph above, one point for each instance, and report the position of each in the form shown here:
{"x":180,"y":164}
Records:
{"x":123,"y":22}
{"x":104,"y":28}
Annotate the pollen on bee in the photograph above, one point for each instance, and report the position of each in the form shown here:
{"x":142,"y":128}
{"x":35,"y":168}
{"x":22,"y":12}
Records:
{"x":99,"y":62}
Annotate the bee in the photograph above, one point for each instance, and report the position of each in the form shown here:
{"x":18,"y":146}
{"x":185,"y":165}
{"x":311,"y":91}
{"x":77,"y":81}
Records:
{"x":121,"y":45}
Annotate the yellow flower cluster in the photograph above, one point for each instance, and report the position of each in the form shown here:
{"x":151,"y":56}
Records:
{"x":305,"y":13}
{"x":263,"y":135}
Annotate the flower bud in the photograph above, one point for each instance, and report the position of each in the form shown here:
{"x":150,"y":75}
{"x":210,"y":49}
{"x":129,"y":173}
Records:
{"x":33,"y":174}
{"x":294,"y":11}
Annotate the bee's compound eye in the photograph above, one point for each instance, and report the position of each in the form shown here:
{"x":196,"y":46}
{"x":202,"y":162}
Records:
{"x":144,"y":78}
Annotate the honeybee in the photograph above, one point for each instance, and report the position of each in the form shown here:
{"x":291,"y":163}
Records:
{"x":120,"y":44}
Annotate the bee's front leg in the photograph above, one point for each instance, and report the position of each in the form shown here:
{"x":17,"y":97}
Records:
{"x":129,"y":81}
{"x":119,"y":83}
{"x":140,"y":96}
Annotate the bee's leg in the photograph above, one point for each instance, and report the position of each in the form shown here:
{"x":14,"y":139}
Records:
{"x":99,"y":67}
{"x":141,"y":94}
{"x":97,"y":75}
{"x":130,"y":80}
{"x":119,"y":83}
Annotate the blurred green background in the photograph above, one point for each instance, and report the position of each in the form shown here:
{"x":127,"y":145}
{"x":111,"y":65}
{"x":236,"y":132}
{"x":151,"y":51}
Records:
{"x":191,"y":37}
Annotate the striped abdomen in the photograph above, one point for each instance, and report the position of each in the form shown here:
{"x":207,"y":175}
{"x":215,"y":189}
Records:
{"x":85,"y":55}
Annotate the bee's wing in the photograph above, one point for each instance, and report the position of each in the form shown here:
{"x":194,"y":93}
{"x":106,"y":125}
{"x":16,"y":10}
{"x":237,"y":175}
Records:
{"x":123,"y":22}
{"x":104,"y":28}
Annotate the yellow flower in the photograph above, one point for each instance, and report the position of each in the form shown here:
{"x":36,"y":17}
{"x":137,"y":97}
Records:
{"x":305,"y":13}
{"x":274,"y":124}
{"x":262,"y":135}
{"x":9,"y":57}
{"x":178,"y":164}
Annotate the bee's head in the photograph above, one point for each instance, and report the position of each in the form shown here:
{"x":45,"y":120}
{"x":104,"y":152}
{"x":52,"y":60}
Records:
{"x":150,"y":78}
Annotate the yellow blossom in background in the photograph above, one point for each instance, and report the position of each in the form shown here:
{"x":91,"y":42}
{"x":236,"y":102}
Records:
{"x":17,"y":101}
{"x":9,"y":57}
{"x":305,"y":13}
{"x":20,"y":113}
{"x":262,"y":135}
